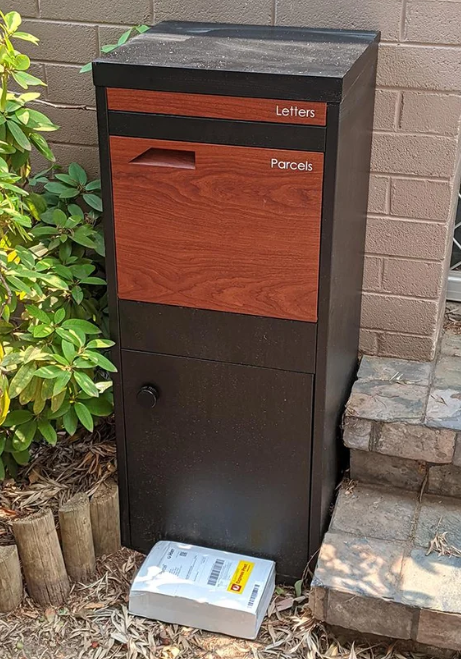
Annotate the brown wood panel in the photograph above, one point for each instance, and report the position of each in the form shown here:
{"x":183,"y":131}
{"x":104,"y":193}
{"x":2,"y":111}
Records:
{"x":218,"y":107}
{"x":240,"y":232}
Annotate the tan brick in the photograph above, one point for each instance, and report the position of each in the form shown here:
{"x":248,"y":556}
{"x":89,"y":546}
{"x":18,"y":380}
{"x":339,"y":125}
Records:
{"x":407,"y":346}
{"x":62,"y":42}
{"x":430,"y":113}
{"x":433,"y":22}
{"x":372,"y":274}
{"x":238,"y":11}
{"x":378,"y":194}
{"x":86,"y":156}
{"x":439,"y":629}
{"x":422,"y":155}
{"x":393,"y":237}
{"x":399,"y":314}
{"x":67,"y":85}
{"x":27,"y":8}
{"x":416,"y":278}
{"x":131,"y":13}
{"x":385,"y":109}
{"x":387,"y":470}
{"x":425,"y":200}
{"x":318,"y":597}
{"x":369,"y":15}
{"x":368,"y":342}
{"x":76,"y":126}
{"x":419,"y":67}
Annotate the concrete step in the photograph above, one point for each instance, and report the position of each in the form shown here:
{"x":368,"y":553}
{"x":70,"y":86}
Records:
{"x":390,"y":565}
{"x":403,"y":422}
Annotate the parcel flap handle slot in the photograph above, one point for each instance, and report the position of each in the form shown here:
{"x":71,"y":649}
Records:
{"x":176,"y":158}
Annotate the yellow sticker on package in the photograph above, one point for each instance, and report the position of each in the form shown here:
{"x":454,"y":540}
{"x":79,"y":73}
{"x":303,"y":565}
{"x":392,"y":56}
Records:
{"x":240,"y":577}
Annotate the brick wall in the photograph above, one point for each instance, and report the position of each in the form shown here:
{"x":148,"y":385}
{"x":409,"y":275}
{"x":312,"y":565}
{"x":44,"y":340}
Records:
{"x":416,"y":154}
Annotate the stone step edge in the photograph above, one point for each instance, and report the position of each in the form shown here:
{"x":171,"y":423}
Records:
{"x":414,"y":475}
{"x":385,"y":618}
{"x":404,"y":440}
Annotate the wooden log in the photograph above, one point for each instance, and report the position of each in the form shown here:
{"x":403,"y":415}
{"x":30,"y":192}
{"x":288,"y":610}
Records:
{"x":105,"y":519}
{"x":42,"y":559}
{"x":10,"y":579}
{"x":77,"y":538}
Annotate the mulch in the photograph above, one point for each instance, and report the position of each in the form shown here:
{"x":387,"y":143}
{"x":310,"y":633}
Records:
{"x":95,"y":623}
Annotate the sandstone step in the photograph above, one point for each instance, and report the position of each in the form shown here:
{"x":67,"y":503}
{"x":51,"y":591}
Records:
{"x":390,"y":565}
{"x":403,"y":421}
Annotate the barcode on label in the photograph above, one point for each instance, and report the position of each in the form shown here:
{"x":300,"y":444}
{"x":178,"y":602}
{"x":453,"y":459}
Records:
{"x":215,"y":572}
{"x":253,"y":596}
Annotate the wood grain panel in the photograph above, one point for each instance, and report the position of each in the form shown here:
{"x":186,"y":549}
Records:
{"x":237,"y":233}
{"x":218,"y":107}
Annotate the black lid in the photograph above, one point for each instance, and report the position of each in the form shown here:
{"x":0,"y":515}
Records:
{"x":240,"y":60}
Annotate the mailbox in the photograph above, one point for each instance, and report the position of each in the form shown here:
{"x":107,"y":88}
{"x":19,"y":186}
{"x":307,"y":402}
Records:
{"x":235,"y":169}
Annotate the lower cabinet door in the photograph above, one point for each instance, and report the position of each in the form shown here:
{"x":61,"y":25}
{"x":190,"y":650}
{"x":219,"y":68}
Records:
{"x":218,"y":455}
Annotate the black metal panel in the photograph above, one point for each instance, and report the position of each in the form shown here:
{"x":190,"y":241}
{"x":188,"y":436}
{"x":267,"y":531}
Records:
{"x":217,"y":131}
{"x":222,"y":460}
{"x":111,"y":267}
{"x":236,"y":338}
{"x":239,"y":60}
{"x":346,"y":181}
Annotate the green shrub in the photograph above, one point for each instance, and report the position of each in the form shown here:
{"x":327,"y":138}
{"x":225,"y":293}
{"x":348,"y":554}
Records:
{"x":53,"y":311}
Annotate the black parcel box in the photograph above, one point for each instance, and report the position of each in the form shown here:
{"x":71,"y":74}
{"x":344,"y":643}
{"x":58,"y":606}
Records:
{"x":235,"y":168}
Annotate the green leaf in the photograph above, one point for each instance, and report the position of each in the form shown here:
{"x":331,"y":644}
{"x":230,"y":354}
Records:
{"x":81,"y":237}
{"x":17,"y":417}
{"x":142,"y":28}
{"x":84,"y":416}
{"x":99,"y":406}
{"x":93,"y":185}
{"x":2,"y":443}
{"x":21,"y":457}
{"x":41,"y":331}
{"x":100,"y":360}
{"x":61,"y":383}
{"x":24,"y":435}
{"x":12,"y":21}
{"x":22,"y":63}
{"x":299,"y":588}
{"x":124,"y":38}
{"x":85,"y":69}
{"x":82,"y":325}
{"x":86,"y":383}
{"x":25,"y":79}
{"x":75,"y":336}
{"x":58,"y":217}
{"x":100,"y":343}
{"x":82,"y":269}
{"x":68,"y":350}
{"x":93,"y":201}
{"x":42,"y":147}
{"x":25,"y":36}
{"x":10,"y":465}
{"x":39,"y":314}
{"x":78,"y":173}
{"x":94,"y":281}
{"x":70,"y":421}
{"x":2,"y":470}
{"x":108,"y":48}
{"x":48,"y":432}
{"x":57,"y":401}
{"x":56,"y":188}
{"x":77,"y":294}
{"x":21,"y":379}
{"x":48,"y":372}
{"x":18,"y":135}
{"x":59,"y":316}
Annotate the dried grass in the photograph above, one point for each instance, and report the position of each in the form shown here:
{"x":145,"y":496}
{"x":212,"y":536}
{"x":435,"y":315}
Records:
{"x":95,"y":623}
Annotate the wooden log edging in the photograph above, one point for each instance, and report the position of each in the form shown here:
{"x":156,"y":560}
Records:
{"x":105,"y":519}
{"x":41,"y":557}
{"x":11,"y":587}
{"x":77,"y":538}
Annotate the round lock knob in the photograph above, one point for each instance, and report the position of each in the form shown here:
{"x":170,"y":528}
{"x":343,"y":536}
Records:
{"x":147,"y":397}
